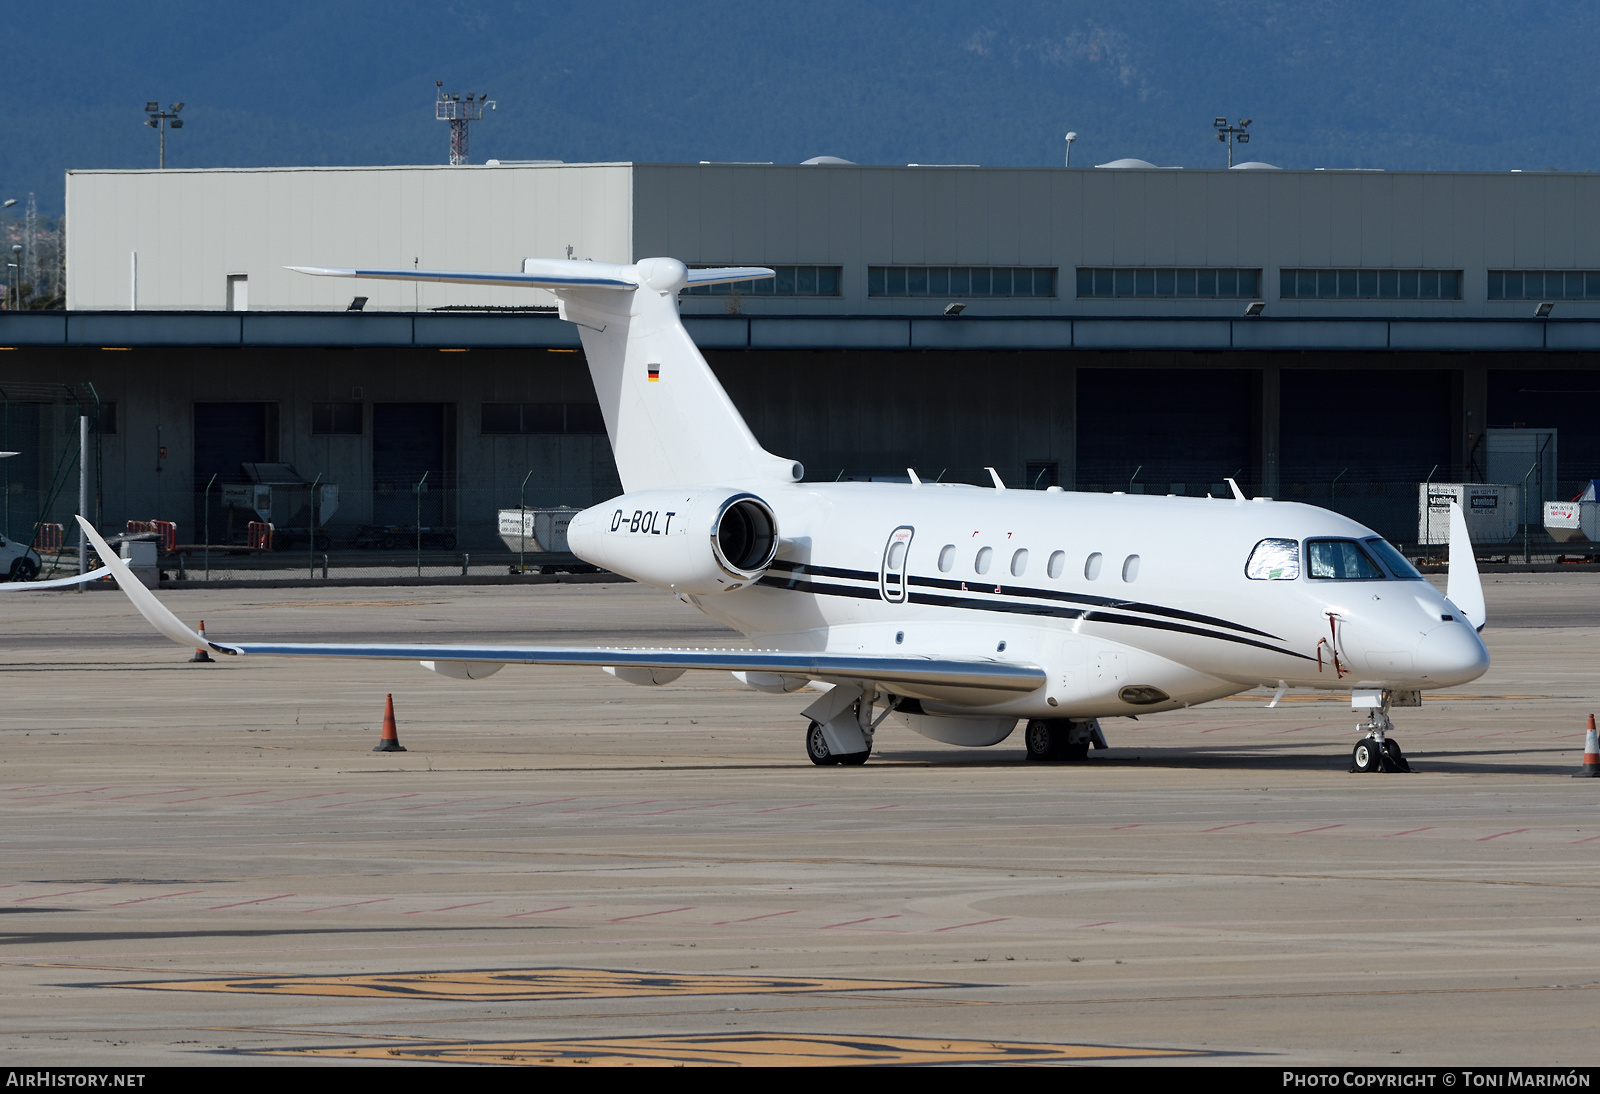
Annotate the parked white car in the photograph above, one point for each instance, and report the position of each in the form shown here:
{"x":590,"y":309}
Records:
{"x":18,"y":562}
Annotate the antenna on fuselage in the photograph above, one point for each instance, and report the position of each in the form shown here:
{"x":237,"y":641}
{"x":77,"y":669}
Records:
{"x":1238,"y":495}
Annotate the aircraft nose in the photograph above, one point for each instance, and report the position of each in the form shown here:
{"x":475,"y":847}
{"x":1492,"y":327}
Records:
{"x":1452,"y":654}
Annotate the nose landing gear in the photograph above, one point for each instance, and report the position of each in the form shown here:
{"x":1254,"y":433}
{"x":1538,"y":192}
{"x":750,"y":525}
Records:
{"x":1378,"y":751}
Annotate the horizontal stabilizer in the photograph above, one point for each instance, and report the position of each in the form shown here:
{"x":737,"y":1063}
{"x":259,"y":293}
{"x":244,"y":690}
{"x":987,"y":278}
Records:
{"x":728,"y":274}
{"x":550,"y":274}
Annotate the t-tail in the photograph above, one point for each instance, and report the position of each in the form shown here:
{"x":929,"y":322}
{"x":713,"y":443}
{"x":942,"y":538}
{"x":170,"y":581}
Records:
{"x":670,"y":422}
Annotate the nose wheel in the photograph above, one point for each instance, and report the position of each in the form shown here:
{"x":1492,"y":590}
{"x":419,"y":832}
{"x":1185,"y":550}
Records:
{"x":1378,"y":751}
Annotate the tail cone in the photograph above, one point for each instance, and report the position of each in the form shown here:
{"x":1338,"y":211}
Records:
{"x":391,"y":736}
{"x":200,"y":654}
{"x":1591,"y":755}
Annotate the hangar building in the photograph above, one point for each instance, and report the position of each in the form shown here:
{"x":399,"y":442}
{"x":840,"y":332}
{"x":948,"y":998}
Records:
{"x":1332,"y":336}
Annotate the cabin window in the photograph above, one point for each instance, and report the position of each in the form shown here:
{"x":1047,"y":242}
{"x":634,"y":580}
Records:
{"x":1019,"y":563}
{"x":985,"y":556}
{"x":1274,"y":560}
{"x":1130,"y":568}
{"x":1091,"y":566}
{"x":1340,"y":560}
{"x":1396,"y":562}
{"x":1058,"y":561}
{"x":947,"y":557}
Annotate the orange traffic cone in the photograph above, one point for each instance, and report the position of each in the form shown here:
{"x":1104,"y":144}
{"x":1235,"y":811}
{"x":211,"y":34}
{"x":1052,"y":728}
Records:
{"x":200,"y":653}
{"x":391,"y":736}
{"x":1591,"y":755}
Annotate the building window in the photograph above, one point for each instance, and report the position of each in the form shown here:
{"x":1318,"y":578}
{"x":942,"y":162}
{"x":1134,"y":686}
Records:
{"x":1168,"y":282}
{"x":335,"y":419}
{"x":790,"y":281}
{"x":1544,"y":284}
{"x":1369,"y":284}
{"x":961,"y":281}
{"x":509,"y":419}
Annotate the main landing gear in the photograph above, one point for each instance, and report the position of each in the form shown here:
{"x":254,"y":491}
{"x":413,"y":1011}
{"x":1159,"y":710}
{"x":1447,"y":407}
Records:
{"x":1061,"y":738}
{"x":841,"y":725}
{"x":1378,"y":751}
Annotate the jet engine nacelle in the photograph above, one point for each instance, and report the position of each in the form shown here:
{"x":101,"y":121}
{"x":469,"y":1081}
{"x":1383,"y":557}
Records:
{"x":694,"y":541}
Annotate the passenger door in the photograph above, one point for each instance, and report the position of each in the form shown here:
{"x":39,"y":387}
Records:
{"x":892,"y":574}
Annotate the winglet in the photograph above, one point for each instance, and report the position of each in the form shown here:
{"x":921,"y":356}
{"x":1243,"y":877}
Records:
{"x":1463,"y":587}
{"x":155,"y":612}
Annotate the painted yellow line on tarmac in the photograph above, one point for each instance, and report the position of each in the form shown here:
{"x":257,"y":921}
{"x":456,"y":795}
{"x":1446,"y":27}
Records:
{"x":739,"y":1049}
{"x":528,"y":985}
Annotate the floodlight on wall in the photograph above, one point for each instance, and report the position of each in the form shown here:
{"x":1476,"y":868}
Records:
{"x":1544,"y":309}
{"x":955,"y":308}
{"x":1070,"y":138}
{"x":357,"y":304}
{"x":1255,"y":307}
{"x":1230,"y":134}
{"x":163,"y":120}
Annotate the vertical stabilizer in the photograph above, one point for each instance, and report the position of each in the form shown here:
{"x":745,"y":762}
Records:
{"x":670,"y":421}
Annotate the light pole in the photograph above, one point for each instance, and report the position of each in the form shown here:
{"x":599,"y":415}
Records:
{"x":162,"y":120}
{"x":8,"y":203}
{"x":1228,"y":134}
{"x":1070,"y":138}
{"x":16,"y":278}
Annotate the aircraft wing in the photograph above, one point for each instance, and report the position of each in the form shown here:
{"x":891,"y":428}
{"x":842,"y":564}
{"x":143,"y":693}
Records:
{"x":54,"y":583}
{"x":992,"y":675}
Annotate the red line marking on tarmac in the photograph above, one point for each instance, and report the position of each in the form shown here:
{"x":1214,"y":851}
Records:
{"x":541,"y":911}
{"x":684,"y":809}
{"x":368,"y":801}
{"x":1588,"y":840}
{"x":151,"y":793}
{"x":451,"y":908}
{"x":853,"y":922}
{"x":208,"y":797}
{"x":1119,"y":827}
{"x":619,"y":805}
{"x":1296,"y":729}
{"x":69,"y":892}
{"x":93,"y":790}
{"x":163,"y":896}
{"x":975,"y":923}
{"x":769,"y":915}
{"x":242,"y":903}
{"x":354,"y":904}
{"x":529,"y":805}
{"x":1102,"y":923}
{"x":456,"y":801}
{"x":1324,"y":828}
{"x":300,"y":798}
{"x":1222,"y":827}
{"x":875,"y":808}
{"x":781,"y":808}
{"x":1497,"y":835}
{"x":1409,"y":831}
{"x":643,"y":915}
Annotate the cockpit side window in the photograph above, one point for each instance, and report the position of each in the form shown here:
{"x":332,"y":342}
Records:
{"x":1274,"y":560}
{"x":1340,"y":560}
{"x":1390,"y":556}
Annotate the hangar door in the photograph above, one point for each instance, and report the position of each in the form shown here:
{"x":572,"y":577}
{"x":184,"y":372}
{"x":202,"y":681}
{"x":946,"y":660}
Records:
{"x":225,"y":436}
{"x":410,"y":440}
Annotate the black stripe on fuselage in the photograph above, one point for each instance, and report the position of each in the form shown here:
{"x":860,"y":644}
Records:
{"x":1028,"y":593}
{"x":978,"y":602}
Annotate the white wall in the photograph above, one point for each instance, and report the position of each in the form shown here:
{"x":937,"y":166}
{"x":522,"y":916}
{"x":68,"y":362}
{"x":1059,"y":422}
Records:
{"x":192,"y":229}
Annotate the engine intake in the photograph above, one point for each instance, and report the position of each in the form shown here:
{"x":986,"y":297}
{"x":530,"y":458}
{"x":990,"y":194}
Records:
{"x":703,"y":541}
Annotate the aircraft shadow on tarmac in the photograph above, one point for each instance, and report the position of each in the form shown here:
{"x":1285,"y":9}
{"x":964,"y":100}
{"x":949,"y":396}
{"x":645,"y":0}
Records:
{"x":1262,"y":757}
{"x":25,"y":938}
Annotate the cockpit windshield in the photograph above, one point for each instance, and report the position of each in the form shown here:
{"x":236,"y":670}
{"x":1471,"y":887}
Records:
{"x":1391,"y":557}
{"x":1341,"y":560}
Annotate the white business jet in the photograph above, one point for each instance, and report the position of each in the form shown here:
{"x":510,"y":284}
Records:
{"x":955,"y":610}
